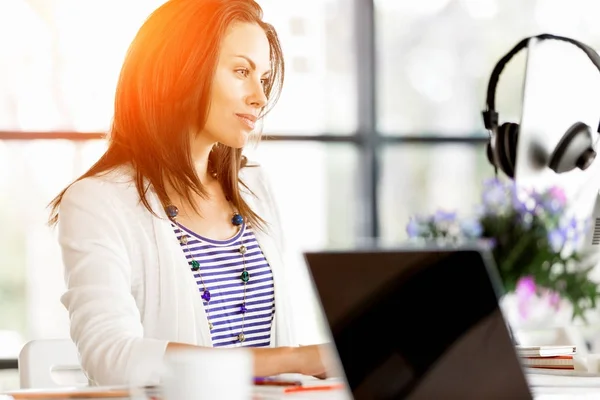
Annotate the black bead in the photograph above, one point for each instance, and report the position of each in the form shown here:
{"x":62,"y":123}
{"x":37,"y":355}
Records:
{"x":171,"y":211}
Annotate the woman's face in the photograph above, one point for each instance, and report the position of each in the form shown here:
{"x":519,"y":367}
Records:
{"x":237,"y":95}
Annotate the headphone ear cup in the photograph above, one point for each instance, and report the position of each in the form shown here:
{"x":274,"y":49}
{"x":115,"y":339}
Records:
{"x":507,"y":138}
{"x":574,"y":150}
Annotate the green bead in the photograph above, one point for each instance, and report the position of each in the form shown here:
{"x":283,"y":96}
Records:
{"x":245,"y":276}
{"x":195,"y":265}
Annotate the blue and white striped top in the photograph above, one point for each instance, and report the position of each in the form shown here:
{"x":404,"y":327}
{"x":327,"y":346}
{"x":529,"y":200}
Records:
{"x":221,"y":265}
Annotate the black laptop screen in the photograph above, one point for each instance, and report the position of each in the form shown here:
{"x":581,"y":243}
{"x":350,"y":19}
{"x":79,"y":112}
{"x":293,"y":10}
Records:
{"x":417,"y":324}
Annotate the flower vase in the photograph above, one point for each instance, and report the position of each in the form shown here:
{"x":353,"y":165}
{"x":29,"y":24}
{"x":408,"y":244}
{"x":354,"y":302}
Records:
{"x":536,"y":320}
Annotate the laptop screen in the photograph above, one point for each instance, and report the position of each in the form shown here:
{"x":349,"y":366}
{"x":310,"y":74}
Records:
{"x":417,"y":324}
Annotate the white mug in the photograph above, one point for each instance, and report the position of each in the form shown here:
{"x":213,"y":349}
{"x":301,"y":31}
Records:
{"x":208,"y":374}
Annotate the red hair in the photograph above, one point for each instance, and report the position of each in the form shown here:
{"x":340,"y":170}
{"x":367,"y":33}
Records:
{"x":164,"y":90}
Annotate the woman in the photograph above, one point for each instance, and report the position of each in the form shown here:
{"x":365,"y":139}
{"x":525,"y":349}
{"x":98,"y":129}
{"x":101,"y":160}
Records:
{"x":171,"y":239}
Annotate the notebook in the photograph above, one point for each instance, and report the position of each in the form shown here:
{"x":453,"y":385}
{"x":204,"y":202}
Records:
{"x":546,"y":351}
{"x":555,"y":362}
{"x":547,"y":357}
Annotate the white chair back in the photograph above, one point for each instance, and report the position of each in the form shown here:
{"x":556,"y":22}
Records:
{"x":50,"y":363}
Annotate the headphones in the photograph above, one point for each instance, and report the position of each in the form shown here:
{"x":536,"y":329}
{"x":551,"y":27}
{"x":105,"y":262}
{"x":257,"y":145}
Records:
{"x":575,"y":148}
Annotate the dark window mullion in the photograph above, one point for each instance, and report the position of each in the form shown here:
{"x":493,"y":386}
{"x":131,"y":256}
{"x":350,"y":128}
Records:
{"x":364,"y":30}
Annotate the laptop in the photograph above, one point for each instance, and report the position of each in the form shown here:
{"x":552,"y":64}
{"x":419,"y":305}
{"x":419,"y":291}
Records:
{"x":418,"y":323}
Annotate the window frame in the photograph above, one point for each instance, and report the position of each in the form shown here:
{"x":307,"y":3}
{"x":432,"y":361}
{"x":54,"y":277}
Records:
{"x":366,"y":138}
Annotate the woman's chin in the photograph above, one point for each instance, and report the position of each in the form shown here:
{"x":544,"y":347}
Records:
{"x":238,"y":142}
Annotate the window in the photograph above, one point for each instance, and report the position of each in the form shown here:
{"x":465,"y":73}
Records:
{"x":62,"y":76}
{"x":64,"y":61}
{"x":319,"y":94}
{"x":65,"y":64}
{"x":421,"y":179}
{"x":435,"y":58}
{"x":31,"y":272}
{"x":316,"y":190}
{"x":433,"y":61}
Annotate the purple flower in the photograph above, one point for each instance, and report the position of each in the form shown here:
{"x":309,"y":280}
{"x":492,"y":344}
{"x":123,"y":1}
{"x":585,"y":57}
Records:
{"x":495,"y":197}
{"x":552,"y":202}
{"x":525,"y":290}
{"x":557,"y":239}
{"x":491,"y":242}
{"x":579,"y":229}
{"x":526,"y":286}
{"x":557,"y":194}
{"x":572,"y":223}
{"x":444,"y":217}
{"x":526,"y":219}
{"x":538,"y":203}
{"x":492,"y":182}
{"x":553,"y":207}
{"x":444,"y":223}
{"x":471,"y":228}
{"x":554,"y":300}
{"x":417,"y":226}
{"x":573,"y":229}
{"x":518,"y":204}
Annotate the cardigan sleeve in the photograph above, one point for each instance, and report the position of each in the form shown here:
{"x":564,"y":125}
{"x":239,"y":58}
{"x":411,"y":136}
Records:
{"x":105,"y":320}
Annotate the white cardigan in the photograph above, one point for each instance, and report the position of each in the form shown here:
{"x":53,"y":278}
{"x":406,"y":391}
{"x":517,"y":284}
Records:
{"x":129,"y":290}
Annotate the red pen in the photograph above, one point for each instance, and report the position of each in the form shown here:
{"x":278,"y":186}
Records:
{"x":290,"y":386}
{"x":313,"y":388}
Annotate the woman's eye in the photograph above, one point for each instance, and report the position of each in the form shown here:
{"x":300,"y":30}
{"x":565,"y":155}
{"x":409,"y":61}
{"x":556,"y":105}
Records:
{"x":245,"y":72}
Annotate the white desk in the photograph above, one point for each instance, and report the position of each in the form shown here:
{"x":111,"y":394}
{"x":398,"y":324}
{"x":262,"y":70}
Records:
{"x":552,"y":385}
{"x":260,"y":393}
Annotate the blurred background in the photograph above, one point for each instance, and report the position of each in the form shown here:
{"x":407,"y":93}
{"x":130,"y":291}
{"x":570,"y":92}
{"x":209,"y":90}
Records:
{"x":379,"y":119}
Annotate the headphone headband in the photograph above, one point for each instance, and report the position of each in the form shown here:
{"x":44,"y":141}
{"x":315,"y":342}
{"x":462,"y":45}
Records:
{"x":490,"y":116}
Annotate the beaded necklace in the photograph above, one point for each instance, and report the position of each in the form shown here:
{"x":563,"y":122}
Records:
{"x":237,"y":220}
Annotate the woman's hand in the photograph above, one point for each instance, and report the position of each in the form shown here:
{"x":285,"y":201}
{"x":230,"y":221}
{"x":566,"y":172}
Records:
{"x":316,"y":360}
